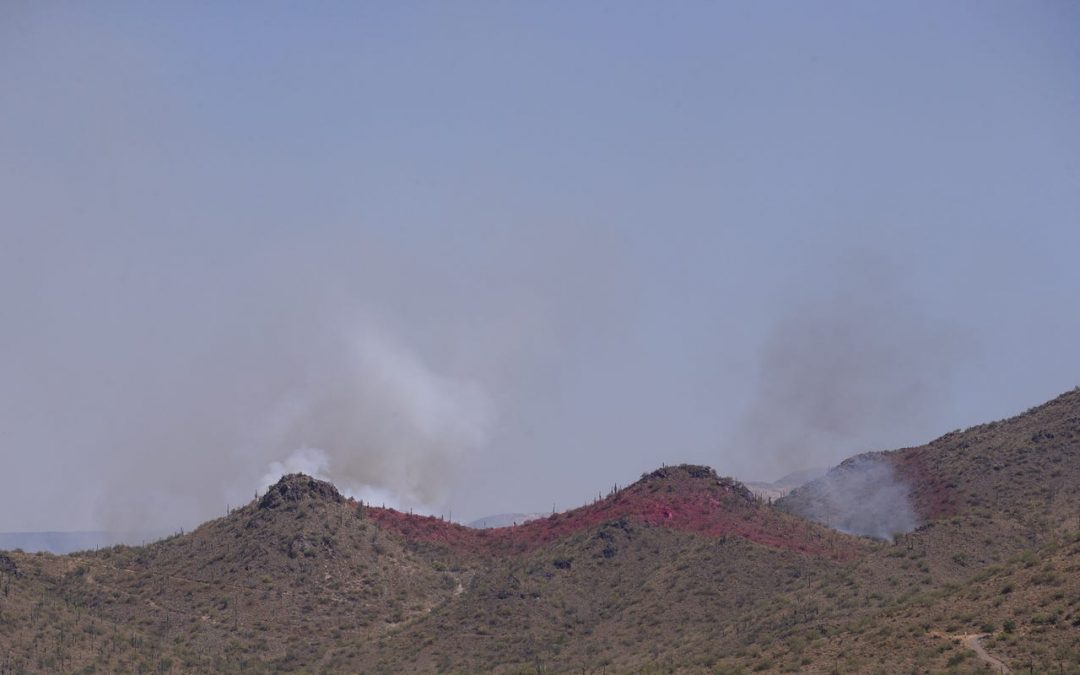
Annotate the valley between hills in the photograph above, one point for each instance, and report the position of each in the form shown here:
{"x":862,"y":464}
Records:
{"x":961,"y":555}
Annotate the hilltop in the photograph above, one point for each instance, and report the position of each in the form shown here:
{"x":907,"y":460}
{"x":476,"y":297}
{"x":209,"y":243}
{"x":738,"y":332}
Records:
{"x":686,"y":498}
{"x":682,"y":570}
{"x":986,"y":493}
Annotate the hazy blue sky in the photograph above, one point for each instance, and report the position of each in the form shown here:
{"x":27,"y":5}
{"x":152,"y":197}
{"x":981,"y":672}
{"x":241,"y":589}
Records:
{"x":487,"y":256}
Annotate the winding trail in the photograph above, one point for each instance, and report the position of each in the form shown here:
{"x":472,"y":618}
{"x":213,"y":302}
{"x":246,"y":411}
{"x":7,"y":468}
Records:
{"x":974,"y":643}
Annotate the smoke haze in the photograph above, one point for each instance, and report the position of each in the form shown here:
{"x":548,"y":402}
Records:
{"x":484,"y":258}
{"x":853,"y":362}
{"x":861,"y":496}
{"x":376,"y":418}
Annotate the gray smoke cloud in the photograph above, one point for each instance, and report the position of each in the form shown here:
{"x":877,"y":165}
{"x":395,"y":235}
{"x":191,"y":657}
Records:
{"x":854,"y":363}
{"x":861,"y":496}
{"x":379,"y":422}
{"x":857,"y":365}
{"x":490,"y":266}
{"x":361,"y":409}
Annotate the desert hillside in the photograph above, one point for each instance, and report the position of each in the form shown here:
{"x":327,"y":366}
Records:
{"x":683,"y":570}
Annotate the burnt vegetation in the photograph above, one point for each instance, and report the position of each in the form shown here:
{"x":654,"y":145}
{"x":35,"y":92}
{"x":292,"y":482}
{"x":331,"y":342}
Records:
{"x":683,"y":570}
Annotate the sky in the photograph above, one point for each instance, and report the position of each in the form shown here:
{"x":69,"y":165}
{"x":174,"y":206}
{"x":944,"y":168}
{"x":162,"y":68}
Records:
{"x":478,"y":257}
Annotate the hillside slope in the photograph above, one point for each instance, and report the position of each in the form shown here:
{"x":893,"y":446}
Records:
{"x":1016,"y":482}
{"x":686,"y":498}
{"x":682,"y":571}
{"x":304,"y":578}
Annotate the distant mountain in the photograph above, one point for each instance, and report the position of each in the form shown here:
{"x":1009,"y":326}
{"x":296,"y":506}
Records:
{"x":780,"y":488}
{"x":973,"y":564}
{"x":505,"y":520}
{"x":802,"y":477}
{"x":70,"y":542}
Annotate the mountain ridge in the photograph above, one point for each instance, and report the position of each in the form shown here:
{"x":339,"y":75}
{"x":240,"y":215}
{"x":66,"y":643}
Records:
{"x":683,"y":570}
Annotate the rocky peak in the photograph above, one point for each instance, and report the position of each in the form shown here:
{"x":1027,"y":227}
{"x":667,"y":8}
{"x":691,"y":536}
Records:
{"x":694,"y":477}
{"x":296,"y":487}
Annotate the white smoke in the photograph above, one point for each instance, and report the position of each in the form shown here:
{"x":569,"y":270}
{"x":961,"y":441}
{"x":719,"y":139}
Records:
{"x":379,"y":423}
{"x":862,"y":496}
{"x":311,"y":461}
{"x":315,"y":462}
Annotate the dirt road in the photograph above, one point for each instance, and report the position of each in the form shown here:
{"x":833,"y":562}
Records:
{"x":974,"y":643}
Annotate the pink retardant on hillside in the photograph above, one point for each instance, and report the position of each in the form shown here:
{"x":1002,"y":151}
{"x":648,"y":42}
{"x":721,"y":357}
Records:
{"x":930,"y":494}
{"x":688,"y":499}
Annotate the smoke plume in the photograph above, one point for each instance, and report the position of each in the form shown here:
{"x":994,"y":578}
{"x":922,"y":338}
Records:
{"x":487,"y":270}
{"x":856,"y":367}
{"x":353,"y":404}
{"x":861,"y":496}
{"x":380,"y":422}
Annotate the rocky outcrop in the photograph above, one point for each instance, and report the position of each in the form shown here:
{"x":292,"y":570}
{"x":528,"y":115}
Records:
{"x":296,"y":487}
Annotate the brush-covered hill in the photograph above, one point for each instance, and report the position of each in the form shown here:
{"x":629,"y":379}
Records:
{"x":270,"y":586}
{"x":1023,"y":615}
{"x":684,"y":570}
{"x":986,"y":493}
{"x":686,"y":498}
{"x":305,"y":579}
